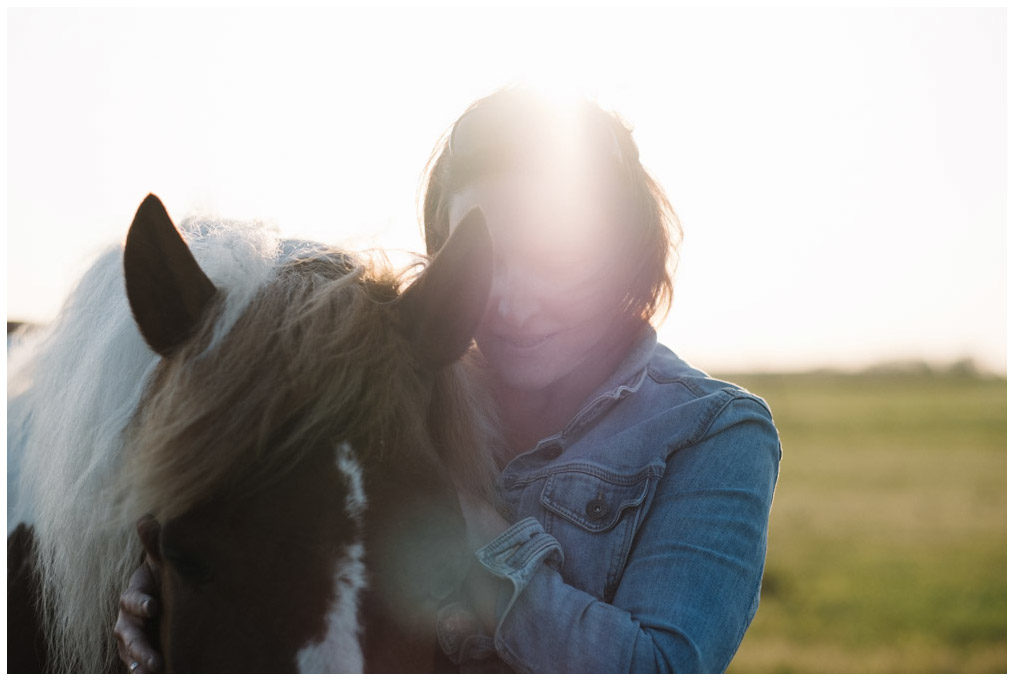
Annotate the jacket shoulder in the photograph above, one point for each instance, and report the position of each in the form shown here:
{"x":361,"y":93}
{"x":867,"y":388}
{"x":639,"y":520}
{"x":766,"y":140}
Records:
{"x":685,"y":383}
{"x":673,"y":406}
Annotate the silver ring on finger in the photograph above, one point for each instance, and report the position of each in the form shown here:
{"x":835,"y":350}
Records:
{"x":134,"y":665}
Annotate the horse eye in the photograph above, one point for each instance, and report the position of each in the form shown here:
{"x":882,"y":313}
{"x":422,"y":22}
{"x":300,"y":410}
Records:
{"x":190,"y":567}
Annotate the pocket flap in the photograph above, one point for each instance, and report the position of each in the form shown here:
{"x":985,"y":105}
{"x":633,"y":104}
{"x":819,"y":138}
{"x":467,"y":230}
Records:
{"x":589,"y":501}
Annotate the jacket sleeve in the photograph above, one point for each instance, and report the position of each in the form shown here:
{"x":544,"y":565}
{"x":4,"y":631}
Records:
{"x":691,"y":584}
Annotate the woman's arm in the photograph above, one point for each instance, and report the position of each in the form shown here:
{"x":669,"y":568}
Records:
{"x":692,"y":582}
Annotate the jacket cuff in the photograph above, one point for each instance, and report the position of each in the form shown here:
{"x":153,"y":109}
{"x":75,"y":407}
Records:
{"x":515,"y":554}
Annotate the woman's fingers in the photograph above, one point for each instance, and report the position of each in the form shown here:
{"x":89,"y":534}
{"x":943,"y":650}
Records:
{"x":139,"y":604}
{"x":138,"y":599}
{"x":133,"y":647}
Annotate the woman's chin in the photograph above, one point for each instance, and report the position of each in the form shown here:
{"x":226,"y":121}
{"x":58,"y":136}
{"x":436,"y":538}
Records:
{"x":528,"y":382}
{"x":522,"y":374}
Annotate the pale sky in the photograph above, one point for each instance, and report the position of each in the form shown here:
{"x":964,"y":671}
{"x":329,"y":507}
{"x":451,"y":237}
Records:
{"x":839,"y":173}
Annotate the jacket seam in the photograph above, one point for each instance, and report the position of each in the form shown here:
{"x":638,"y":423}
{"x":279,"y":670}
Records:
{"x":703,"y":430}
{"x":747,"y":395}
{"x":663,"y":379}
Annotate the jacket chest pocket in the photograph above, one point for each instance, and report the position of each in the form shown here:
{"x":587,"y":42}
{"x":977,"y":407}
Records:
{"x":594,"y":518}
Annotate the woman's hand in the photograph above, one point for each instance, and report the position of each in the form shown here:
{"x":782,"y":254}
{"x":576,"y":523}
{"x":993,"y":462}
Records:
{"x":138,"y":608}
{"x":483,"y":523}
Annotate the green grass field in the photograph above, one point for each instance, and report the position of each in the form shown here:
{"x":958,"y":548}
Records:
{"x":887,"y":538}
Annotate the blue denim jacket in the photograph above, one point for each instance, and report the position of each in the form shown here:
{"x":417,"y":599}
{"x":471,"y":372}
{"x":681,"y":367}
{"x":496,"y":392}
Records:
{"x":639,"y":531}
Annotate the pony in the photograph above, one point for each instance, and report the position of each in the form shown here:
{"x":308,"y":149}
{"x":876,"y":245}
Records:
{"x":298,"y":421}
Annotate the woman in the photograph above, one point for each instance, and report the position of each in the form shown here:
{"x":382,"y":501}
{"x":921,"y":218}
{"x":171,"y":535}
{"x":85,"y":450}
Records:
{"x":636,"y":488}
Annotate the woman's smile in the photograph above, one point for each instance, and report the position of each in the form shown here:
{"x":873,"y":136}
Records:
{"x":522,"y":343}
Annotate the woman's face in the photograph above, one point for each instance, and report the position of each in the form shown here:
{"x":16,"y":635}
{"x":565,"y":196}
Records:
{"x":557,"y":279}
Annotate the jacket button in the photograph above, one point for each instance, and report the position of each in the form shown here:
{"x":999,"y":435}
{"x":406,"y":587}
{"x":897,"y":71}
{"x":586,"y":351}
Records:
{"x":596,"y":509}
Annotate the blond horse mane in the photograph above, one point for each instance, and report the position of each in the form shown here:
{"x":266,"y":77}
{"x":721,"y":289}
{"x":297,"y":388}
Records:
{"x":98,"y":434}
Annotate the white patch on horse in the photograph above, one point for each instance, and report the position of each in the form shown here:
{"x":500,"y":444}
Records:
{"x":339,"y":651}
{"x":356,"y":499}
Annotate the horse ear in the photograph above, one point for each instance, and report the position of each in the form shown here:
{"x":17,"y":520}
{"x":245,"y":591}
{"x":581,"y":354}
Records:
{"x":167,"y":290}
{"x":441,"y":310}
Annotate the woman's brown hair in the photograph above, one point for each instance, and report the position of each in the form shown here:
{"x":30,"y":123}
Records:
{"x":509,"y":116}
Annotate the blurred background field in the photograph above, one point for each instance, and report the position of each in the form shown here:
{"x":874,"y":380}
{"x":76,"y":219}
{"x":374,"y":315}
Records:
{"x":887,"y":536}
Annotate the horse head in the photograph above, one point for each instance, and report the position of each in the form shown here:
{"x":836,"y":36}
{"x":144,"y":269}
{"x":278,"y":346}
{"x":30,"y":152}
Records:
{"x":302,"y":466}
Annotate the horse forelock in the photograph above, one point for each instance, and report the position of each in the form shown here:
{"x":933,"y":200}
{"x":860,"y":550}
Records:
{"x":239,"y":411}
{"x":314,"y":356}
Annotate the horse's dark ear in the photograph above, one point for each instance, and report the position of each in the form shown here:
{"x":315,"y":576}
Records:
{"x":167,"y":290}
{"x":441,"y":310}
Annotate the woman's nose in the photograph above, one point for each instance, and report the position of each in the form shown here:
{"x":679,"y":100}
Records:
{"x":512,"y":297}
